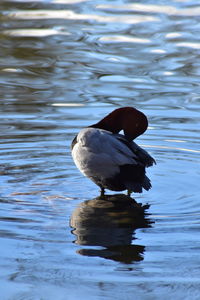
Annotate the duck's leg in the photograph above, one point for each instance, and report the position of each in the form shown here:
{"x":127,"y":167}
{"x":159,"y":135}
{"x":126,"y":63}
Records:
{"x":129,"y":193}
{"x":102,"y":192}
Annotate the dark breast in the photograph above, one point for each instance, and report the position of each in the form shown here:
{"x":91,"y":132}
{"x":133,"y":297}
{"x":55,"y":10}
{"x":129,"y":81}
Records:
{"x":74,"y":142}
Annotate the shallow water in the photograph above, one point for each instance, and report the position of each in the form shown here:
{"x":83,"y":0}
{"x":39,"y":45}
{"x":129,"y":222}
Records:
{"x":66,"y":64}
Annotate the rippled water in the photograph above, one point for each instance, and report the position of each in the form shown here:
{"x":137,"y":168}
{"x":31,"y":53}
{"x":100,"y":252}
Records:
{"x":65,"y":64}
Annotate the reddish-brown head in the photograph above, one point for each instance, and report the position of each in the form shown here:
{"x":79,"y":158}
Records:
{"x":132,"y":121}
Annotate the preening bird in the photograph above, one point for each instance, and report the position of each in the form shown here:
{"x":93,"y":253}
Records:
{"x":112,"y":160}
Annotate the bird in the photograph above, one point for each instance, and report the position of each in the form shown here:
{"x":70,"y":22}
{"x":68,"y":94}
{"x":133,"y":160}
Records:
{"x":113,"y":160}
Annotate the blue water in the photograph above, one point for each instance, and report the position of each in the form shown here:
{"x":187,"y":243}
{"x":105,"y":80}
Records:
{"x":65,"y":65}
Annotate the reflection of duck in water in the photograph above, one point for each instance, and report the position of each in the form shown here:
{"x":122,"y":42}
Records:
{"x":110,"y":223}
{"x":113,"y":161}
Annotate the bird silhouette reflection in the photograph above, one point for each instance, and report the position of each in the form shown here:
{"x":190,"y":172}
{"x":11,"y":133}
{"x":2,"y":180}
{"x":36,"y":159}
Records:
{"x":110,"y":222}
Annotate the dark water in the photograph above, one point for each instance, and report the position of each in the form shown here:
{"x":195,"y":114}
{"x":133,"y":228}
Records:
{"x":64,"y":64}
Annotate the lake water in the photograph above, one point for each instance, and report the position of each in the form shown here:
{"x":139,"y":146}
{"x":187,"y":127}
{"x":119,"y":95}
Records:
{"x":64,"y":65}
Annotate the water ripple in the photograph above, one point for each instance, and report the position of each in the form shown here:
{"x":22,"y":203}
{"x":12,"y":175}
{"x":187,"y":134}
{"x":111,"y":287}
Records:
{"x":64,"y":65}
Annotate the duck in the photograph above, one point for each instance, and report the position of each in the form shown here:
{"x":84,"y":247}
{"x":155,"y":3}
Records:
{"x":113,"y":160}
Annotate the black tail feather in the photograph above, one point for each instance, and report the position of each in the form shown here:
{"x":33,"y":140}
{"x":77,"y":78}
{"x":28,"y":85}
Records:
{"x":146,"y":183}
{"x":135,"y":187}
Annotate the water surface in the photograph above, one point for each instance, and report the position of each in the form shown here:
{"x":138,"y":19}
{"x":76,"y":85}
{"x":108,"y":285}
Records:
{"x":64,"y":65}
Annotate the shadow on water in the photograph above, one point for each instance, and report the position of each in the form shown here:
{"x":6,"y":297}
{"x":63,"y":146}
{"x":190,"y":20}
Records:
{"x":110,"y":223}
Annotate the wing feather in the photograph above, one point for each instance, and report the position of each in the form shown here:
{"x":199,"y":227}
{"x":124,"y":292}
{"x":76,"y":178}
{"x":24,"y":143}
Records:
{"x":101,"y":153}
